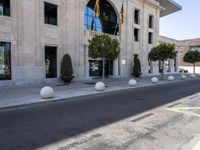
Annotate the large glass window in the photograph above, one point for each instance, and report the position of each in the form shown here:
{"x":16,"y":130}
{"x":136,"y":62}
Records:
{"x":50,"y":13}
{"x":5,"y":61}
{"x":107,"y":22}
{"x":5,"y":7}
{"x":91,"y":22}
{"x":51,"y":61}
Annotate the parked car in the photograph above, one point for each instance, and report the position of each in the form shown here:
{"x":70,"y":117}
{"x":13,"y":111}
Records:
{"x":181,"y":70}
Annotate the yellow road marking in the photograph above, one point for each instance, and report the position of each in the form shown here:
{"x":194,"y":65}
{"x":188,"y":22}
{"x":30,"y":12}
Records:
{"x":184,"y":110}
{"x":173,"y":109}
{"x":197,"y":146}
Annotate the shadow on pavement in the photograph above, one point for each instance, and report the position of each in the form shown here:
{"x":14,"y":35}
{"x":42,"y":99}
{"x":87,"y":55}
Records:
{"x":40,"y":125}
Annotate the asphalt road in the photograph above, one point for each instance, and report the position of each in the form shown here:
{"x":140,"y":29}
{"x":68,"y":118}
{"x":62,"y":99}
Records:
{"x":35,"y":126}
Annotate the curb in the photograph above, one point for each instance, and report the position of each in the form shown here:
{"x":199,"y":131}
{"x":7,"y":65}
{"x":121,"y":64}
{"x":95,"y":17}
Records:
{"x":72,"y":98}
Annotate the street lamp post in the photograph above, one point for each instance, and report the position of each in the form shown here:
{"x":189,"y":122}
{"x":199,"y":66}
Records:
{"x":103,"y":59}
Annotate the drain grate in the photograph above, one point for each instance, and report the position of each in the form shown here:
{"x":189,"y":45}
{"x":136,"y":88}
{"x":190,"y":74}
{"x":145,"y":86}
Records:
{"x":175,"y":104}
{"x":142,"y":117}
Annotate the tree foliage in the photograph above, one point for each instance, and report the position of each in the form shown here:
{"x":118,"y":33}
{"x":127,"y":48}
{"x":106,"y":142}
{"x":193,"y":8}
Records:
{"x":136,"y":67}
{"x":192,"y":57}
{"x":162,"y":52}
{"x":104,"y":46}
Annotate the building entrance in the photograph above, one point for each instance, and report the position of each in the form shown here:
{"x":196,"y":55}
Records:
{"x":96,"y":67}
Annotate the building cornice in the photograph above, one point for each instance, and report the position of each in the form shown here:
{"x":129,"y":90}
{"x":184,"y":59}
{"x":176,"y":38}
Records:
{"x":170,"y":6}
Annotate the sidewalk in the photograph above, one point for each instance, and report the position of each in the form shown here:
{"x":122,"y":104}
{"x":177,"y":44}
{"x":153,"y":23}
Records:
{"x":17,"y":96}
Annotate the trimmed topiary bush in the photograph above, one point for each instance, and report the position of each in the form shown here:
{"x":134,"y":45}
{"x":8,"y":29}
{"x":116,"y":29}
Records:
{"x":136,"y":67}
{"x":66,"y":73}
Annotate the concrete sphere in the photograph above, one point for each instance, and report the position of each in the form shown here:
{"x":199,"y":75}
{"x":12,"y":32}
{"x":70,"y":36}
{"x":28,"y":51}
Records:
{"x":47,"y":92}
{"x":183,"y":77}
{"x":198,"y":75}
{"x":192,"y":75}
{"x":100,"y":86}
{"x":170,"y":78}
{"x":132,"y":82}
{"x":154,"y":80}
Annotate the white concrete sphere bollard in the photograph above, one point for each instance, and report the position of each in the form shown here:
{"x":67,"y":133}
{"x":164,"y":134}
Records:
{"x":183,"y":77}
{"x":100,"y":86}
{"x":192,"y":75}
{"x":154,"y":80}
{"x":170,"y":78}
{"x":198,"y":75}
{"x":47,"y":92}
{"x":132,"y":82}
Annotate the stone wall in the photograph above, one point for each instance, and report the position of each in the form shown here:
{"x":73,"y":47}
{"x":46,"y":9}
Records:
{"x":185,"y":47}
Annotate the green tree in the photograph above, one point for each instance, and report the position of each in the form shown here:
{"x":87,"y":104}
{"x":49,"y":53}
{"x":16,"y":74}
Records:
{"x":66,"y":73}
{"x":136,"y":67}
{"x":192,"y":57}
{"x":162,"y":52}
{"x":103,"y":46}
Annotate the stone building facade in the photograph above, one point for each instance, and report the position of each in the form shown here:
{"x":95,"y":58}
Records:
{"x":185,"y":46}
{"x":35,"y":34}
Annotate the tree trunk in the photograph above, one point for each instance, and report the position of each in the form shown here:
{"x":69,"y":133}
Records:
{"x":103,"y":71}
{"x":194,"y":68}
{"x":162,"y":70}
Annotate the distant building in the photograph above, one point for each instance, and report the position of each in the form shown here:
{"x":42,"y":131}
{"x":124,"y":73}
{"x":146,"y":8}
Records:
{"x":35,"y":34}
{"x":185,"y":46}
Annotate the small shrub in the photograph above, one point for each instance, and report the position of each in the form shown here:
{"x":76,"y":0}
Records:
{"x":136,"y":67}
{"x":66,"y":73}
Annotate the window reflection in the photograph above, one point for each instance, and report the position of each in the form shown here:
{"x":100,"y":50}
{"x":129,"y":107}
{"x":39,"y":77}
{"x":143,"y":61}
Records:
{"x":5,"y":61}
{"x":107,"y":22}
{"x":50,"y":13}
{"x":5,"y":7}
{"x":92,"y":22}
{"x":51,"y":61}
{"x":96,"y":67}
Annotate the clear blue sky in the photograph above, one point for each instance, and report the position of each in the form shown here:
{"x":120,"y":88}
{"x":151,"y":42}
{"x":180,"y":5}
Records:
{"x":184,"y":24}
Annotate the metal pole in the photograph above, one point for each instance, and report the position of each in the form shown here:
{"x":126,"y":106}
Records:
{"x":103,"y":76}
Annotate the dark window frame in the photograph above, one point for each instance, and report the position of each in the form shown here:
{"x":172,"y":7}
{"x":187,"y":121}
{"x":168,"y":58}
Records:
{"x":150,"y":38}
{"x":137,"y":16}
{"x":136,"y":34}
{"x":5,"y":9}
{"x":53,"y":18}
{"x":151,"y":24}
